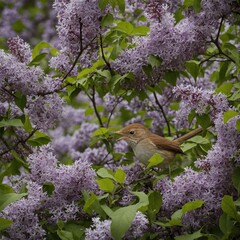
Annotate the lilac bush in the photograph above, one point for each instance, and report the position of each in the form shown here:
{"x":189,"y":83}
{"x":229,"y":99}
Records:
{"x":74,"y":72}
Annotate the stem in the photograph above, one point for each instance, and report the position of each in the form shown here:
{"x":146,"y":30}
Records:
{"x":95,"y":106}
{"x":216,"y":42}
{"x":103,"y":56}
{"x":163,"y":113}
{"x":18,"y":142}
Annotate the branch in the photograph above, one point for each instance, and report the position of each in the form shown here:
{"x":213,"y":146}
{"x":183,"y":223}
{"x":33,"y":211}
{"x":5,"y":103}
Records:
{"x":163,"y":113}
{"x":94,"y":106}
{"x":18,"y":142}
{"x":216,"y":42}
{"x":103,"y":56}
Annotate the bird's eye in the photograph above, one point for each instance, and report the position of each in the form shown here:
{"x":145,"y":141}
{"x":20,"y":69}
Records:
{"x":131,"y":132}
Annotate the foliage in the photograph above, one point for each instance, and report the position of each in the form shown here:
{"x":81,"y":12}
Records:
{"x":73,"y":73}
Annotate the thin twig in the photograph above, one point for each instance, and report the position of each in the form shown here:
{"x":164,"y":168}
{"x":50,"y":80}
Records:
{"x":112,"y":111}
{"x":93,"y":100}
{"x":216,"y":42}
{"x":103,"y":55}
{"x":163,"y":113}
{"x":18,"y":142}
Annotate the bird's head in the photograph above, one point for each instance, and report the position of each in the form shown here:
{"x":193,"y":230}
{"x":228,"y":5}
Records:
{"x":133,"y":133}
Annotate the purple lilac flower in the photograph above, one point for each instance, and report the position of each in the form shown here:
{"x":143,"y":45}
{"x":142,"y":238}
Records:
{"x":201,"y":99}
{"x":62,"y":204}
{"x":172,"y":42}
{"x":101,"y":229}
{"x":23,"y":213}
{"x":20,"y":49}
{"x":45,"y":111}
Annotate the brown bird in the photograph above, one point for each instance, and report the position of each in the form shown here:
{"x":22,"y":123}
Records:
{"x":145,"y":143}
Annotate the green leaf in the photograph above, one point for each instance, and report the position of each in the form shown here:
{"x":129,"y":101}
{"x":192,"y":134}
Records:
{"x":193,"y":68}
{"x":232,"y":51}
{"x":4,"y":188}
{"x":76,"y":229}
{"x":20,"y":100}
{"x":125,"y":27}
{"x":121,"y":5}
{"x":154,"y":61}
{"x":120,"y":176}
{"x":106,"y":185}
{"x":236,"y":179}
{"x":155,"y":203}
{"x":105,"y":173}
{"x":178,"y":15}
{"x":102,"y":4}
{"x":186,"y":146}
{"x":192,"y":236}
{"x":38,"y":59}
{"x":49,"y":188}
{"x":155,"y":160}
{"x":37,"y":49}
{"x":171,"y":77}
{"x":65,"y":235}
{"x":122,"y":220}
{"x":192,"y":205}
{"x":204,"y":120}
{"x":238,"y":125}
{"x":188,"y":3}
{"x":99,"y":132}
{"x":143,"y":199}
{"x":199,"y":140}
{"x":228,"y":206}
{"x":18,"y":158}
{"x":235,"y":96}
{"x":11,"y":123}
{"x":225,"y":88}
{"x":27,"y":124}
{"x":229,"y":115}
{"x":197,"y":6}
{"x":8,"y":198}
{"x":5,"y":223}
{"x":226,"y":225}
{"x":38,"y":139}
{"x":107,"y":20}
{"x":140,"y":31}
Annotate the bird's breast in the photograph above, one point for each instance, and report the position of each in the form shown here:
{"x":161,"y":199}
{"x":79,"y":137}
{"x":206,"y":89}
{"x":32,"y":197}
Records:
{"x":144,"y":153}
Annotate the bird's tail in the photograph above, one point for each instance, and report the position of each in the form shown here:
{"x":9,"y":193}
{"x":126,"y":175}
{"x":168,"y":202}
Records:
{"x":187,"y":136}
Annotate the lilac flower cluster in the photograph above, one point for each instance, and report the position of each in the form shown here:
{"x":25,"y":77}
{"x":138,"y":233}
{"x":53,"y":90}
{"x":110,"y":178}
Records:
{"x":78,"y":27}
{"x":200,"y":100}
{"x":174,"y":43}
{"x":61,"y":204}
{"x":101,"y":229}
{"x":43,"y":107}
{"x":20,"y":49}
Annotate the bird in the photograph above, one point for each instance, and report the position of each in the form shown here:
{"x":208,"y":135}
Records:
{"x":145,"y":143}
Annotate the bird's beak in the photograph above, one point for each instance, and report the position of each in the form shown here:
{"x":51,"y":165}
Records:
{"x":120,"y":133}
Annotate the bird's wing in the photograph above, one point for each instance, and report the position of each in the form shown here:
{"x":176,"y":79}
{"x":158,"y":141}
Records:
{"x":165,"y":144}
